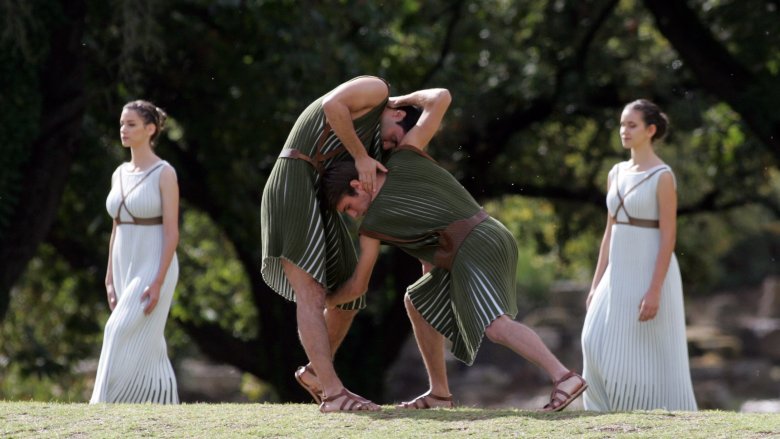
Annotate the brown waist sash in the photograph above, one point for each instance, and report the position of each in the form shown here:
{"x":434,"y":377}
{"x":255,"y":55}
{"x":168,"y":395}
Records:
{"x":638,"y":222}
{"x":450,"y":238}
{"x":453,"y":236}
{"x":141,"y":221}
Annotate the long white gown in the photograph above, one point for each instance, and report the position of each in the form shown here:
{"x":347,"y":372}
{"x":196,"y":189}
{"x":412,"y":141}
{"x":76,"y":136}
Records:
{"x":134,"y":365}
{"x":632,"y":365}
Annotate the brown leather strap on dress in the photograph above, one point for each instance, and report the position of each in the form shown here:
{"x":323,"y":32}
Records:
{"x":137,"y":221}
{"x":453,"y":236}
{"x":638,"y":222}
{"x":295,"y":154}
{"x":141,"y":221}
{"x":319,"y":159}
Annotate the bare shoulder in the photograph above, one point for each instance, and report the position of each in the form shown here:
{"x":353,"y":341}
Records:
{"x":167,"y":174}
{"x":360,"y":92}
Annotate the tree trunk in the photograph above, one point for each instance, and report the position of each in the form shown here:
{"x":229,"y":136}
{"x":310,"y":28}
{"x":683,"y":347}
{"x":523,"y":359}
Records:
{"x":754,"y":95}
{"x":62,"y":85}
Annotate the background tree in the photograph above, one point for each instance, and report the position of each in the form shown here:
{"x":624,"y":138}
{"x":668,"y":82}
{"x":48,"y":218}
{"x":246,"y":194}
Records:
{"x":538,"y":87}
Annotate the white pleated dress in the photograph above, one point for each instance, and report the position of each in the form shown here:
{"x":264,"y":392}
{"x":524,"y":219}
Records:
{"x":632,"y":365}
{"x":134,"y":365}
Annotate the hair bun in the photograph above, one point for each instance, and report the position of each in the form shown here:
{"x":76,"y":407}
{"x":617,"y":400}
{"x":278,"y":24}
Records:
{"x":162,"y":116}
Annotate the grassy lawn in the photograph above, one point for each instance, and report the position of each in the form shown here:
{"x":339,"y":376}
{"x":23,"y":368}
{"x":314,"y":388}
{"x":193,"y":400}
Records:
{"x":34,"y":419}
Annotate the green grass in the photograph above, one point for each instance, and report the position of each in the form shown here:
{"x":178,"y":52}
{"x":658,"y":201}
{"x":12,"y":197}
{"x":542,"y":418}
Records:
{"x":34,"y":419}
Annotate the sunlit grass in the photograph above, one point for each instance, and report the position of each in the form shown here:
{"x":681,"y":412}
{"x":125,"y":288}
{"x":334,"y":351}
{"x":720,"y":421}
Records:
{"x":33,"y":419}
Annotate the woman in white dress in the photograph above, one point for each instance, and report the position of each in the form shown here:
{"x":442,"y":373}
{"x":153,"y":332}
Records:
{"x":633,"y":340}
{"x":142,"y":267}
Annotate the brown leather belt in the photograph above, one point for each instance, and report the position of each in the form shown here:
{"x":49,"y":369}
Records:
{"x":141,"y":221}
{"x":453,"y":236}
{"x":649,"y":224}
{"x":319,"y":159}
{"x":295,"y":154}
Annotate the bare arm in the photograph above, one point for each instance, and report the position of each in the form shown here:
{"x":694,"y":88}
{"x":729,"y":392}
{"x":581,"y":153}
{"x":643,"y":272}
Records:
{"x":434,"y":103}
{"x":347,"y":102}
{"x":603,"y":261}
{"x":169,"y":191}
{"x":110,"y":291}
{"x":667,"y":224}
{"x":357,"y":284}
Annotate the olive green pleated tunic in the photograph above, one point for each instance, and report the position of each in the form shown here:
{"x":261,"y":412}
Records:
{"x":418,"y":199}
{"x":296,"y":223}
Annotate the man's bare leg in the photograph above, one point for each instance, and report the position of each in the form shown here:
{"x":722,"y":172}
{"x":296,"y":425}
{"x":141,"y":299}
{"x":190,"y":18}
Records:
{"x":337,"y":322}
{"x":310,"y":306}
{"x":525,"y":342}
{"x":431,"y":345}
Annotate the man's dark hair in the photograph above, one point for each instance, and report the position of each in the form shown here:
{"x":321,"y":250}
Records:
{"x":412,"y":116}
{"x":336,"y":179}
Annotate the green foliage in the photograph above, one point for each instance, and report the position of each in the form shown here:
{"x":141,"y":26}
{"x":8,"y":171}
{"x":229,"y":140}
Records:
{"x":212,"y":284}
{"x":533,"y":226}
{"x":532,"y":132}
{"x":52,"y":328}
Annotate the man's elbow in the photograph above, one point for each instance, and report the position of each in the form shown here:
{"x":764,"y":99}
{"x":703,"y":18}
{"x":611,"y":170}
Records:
{"x":443,"y":96}
{"x":330,"y":104}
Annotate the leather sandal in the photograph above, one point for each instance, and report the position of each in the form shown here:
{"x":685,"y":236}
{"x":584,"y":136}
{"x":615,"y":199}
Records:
{"x":557,"y":403}
{"x":313,"y":391}
{"x":421,"y":402}
{"x":350,"y":402}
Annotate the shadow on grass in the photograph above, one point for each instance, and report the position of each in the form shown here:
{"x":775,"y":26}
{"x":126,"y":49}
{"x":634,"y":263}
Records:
{"x":473,"y":414}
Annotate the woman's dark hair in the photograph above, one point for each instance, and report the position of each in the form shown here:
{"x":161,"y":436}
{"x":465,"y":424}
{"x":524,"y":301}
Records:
{"x":336,"y":179}
{"x":149,"y":113}
{"x":412,"y":116}
{"x":652,"y":115}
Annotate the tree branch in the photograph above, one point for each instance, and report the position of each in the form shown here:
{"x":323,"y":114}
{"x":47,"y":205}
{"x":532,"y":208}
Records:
{"x":753,"y":95}
{"x":456,"y":9}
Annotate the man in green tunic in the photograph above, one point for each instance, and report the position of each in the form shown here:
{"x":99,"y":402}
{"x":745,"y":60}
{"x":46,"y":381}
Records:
{"x":422,"y":209}
{"x":306,"y":249}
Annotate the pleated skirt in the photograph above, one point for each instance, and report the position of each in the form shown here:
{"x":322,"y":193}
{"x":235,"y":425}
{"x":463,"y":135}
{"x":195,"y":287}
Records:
{"x":632,"y":365}
{"x":297,"y":227}
{"x":481,"y":287}
{"x":134,"y":365}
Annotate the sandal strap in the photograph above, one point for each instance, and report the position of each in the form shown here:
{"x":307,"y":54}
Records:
{"x":568,"y":375}
{"x":350,"y":401}
{"x":344,"y":392}
{"x":421,"y":402}
{"x":438,"y":398}
{"x":555,"y":400}
{"x":309,"y":369}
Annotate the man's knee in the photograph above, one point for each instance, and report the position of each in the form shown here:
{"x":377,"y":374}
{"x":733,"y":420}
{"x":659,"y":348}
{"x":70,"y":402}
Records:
{"x":496,"y":330}
{"x":408,"y":303}
{"x":306,"y":288}
{"x":342,"y":314}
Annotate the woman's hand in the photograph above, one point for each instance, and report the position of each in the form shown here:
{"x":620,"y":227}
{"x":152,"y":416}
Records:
{"x":367,"y":168}
{"x":152,"y":294}
{"x":110,"y":294}
{"x":648,"y":308}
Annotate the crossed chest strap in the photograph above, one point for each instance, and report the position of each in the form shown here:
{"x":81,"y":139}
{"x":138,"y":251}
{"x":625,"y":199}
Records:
{"x":135,"y":220}
{"x":638,"y":222}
